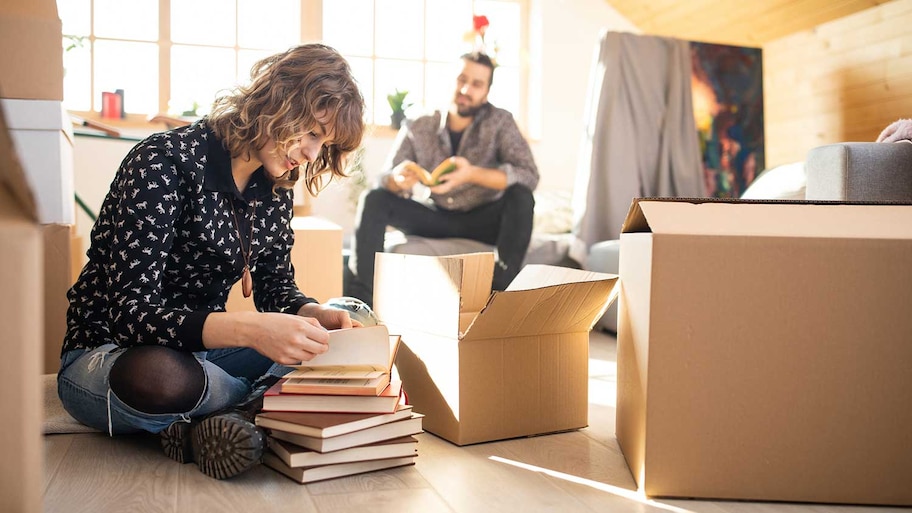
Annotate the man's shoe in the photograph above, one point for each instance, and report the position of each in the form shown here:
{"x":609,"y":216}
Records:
{"x":222,"y":445}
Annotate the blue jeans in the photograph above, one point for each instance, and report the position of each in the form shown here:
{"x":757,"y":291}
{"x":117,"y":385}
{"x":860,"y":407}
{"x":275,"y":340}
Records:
{"x":232,"y":375}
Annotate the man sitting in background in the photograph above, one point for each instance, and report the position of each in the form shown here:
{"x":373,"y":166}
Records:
{"x":487,"y":196}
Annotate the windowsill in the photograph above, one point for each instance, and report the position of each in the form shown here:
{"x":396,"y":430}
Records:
{"x":137,"y":125}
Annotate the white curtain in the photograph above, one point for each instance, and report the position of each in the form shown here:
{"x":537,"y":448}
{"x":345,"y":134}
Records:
{"x":639,"y":139}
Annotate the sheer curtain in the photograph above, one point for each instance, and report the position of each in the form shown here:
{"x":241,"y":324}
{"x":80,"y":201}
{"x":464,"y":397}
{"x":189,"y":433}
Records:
{"x":639,"y":138}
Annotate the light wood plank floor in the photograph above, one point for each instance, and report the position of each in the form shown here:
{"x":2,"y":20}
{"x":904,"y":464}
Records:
{"x":580,"y":471}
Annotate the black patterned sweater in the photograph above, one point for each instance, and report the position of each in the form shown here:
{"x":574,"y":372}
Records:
{"x":165,"y":251}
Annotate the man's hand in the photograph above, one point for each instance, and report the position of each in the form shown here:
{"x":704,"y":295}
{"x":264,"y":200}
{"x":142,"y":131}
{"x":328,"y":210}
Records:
{"x":402,"y":178}
{"x":464,"y":173}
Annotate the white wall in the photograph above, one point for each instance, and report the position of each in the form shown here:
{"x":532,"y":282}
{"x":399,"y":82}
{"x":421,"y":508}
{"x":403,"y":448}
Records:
{"x":569,"y":31}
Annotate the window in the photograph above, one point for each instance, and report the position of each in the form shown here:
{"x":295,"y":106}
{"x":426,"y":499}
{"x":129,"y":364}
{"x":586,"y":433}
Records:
{"x":175,"y":55}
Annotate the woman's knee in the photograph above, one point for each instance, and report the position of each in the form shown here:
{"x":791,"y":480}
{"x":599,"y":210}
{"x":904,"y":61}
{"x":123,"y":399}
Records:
{"x":154,"y":379}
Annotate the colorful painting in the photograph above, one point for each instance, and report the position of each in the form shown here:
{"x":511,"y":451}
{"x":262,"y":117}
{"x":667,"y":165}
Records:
{"x":727,"y":84}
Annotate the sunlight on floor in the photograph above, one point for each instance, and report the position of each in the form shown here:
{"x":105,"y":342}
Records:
{"x":602,"y":382}
{"x":615,"y":490}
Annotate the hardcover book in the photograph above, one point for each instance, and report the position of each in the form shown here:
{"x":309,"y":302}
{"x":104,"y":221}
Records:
{"x":387,"y":402}
{"x":326,"y":425}
{"x":311,"y":474}
{"x":400,"y":428}
{"x":295,"y":456}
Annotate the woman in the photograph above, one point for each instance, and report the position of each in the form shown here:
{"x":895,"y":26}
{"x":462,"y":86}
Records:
{"x":191,"y":211}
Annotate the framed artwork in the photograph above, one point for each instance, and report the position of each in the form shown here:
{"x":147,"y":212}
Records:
{"x":727,"y":86}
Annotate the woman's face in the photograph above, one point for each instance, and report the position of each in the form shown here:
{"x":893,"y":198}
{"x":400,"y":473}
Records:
{"x":304,"y":148}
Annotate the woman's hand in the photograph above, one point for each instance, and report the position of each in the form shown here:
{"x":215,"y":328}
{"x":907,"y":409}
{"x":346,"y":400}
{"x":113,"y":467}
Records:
{"x":283,"y":338}
{"x":328,"y":317}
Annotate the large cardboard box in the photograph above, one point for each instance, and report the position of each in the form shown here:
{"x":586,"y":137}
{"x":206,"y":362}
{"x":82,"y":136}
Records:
{"x":43,"y":137}
{"x":32,"y":56}
{"x":485,"y":366}
{"x":317,"y":259}
{"x":21,"y":339}
{"x":764,"y":351}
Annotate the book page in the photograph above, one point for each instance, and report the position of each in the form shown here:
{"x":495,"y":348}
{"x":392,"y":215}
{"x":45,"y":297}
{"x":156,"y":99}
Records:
{"x":365,"y":348}
{"x":342,"y":373}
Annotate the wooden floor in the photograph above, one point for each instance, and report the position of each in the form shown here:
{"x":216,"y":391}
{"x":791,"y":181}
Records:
{"x":580,"y":471}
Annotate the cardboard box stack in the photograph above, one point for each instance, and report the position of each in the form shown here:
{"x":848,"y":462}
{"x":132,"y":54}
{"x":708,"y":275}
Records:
{"x":21,"y":315}
{"x":343,"y":414}
{"x":31,"y":95}
{"x":764,"y":351}
{"x":487,"y":366}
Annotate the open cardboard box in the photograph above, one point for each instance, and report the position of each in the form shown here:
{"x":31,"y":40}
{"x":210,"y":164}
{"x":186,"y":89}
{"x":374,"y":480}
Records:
{"x":485,"y":366}
{"x":764,"y":350}
{"x":21,"y":314}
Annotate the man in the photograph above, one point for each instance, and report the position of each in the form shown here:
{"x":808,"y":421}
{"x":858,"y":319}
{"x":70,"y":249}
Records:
{"x":487,"y":197}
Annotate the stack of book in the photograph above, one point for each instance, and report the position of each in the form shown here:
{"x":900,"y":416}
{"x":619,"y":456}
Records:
{"x":341,"y":413}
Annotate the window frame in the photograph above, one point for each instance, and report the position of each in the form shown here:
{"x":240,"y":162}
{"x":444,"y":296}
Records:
{"x":311,"y":22}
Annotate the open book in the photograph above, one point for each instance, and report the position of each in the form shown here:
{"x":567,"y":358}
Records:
{"x":358,"y":362}
{"x":432,"y":178}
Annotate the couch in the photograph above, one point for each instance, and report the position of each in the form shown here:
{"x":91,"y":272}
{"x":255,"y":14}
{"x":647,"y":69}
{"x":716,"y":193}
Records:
{"x":849,"y":171}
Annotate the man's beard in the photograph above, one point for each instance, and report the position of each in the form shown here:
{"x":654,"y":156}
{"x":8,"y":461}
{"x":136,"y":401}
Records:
{"x":468,"y":111}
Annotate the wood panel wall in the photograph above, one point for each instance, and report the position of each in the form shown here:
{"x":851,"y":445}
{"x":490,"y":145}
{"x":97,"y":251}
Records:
{"x":845,"y":80}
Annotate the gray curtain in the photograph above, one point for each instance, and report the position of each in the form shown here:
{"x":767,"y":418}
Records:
{"x":639,"y":138}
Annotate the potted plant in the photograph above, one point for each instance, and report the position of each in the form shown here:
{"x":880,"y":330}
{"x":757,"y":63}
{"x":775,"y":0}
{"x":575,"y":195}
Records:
{"x":397,"y":103}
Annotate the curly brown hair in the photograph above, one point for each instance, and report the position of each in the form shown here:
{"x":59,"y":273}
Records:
{"x":287,"y":92}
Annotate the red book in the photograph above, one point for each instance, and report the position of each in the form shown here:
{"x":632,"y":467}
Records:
{"x":276,"y":400}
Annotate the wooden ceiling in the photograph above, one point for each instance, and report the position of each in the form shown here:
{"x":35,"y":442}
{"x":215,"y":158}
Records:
{"x":736,"y":22}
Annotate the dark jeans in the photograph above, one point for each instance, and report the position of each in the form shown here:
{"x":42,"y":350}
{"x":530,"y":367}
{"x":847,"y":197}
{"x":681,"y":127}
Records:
{"x":505,"y":223}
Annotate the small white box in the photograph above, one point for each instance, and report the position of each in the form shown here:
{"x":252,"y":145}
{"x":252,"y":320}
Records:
{"x":43,"y":138}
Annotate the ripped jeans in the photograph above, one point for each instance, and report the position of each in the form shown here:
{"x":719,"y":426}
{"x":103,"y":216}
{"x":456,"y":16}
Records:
{"x":232,"y":376}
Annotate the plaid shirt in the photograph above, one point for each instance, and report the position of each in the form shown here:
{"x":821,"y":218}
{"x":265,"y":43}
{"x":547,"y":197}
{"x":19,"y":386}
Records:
{"x":493,"y":140}
{"x":165,"y":249}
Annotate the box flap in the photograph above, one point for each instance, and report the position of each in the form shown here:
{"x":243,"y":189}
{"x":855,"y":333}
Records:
{"x":16,"y":199}
{"x":769,"y":218}
{"x":545,"y":300}
{"x":419,"y":291}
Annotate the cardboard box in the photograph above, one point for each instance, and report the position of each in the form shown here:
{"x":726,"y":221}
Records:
{"x":32,"y":56}
{"x":57,"y":281}
{"x":43,"y":137}
{"x":485,"y":366}
{"x":764,"y":351}
{"x":317,"y":259}
{"x":21,"y":476}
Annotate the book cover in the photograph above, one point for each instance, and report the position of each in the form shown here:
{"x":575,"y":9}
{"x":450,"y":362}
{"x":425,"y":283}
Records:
{"x":294,"y":456}
{"x":388,"y":400}
{"x":334,"y":386}
{"x":326,"y":425}
{"x":432,"y":178}
{"x":305,"y":475}
{"x":397,"y":429}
